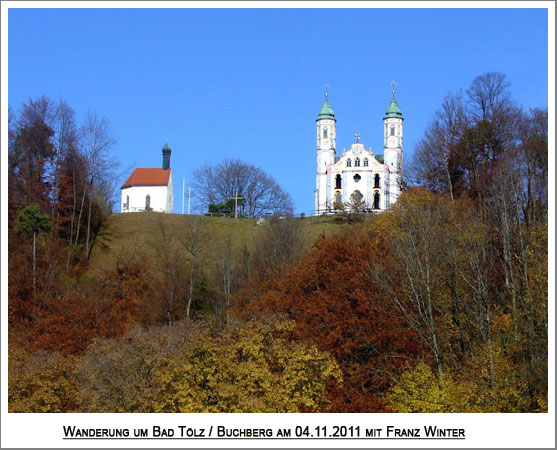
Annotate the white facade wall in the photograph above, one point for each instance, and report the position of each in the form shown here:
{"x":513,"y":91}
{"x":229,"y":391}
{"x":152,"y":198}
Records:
{"x":161,"y":198}
{"x":366,"y":184}
{"x":170,"y":195}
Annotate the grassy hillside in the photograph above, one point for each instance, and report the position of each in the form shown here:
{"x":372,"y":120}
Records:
{"x":141,"y":232}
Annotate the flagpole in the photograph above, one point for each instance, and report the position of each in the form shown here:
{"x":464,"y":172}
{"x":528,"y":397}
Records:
{"x":183,"y":192}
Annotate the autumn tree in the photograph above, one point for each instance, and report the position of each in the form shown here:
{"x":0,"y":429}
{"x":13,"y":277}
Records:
{"x":250,"y":368}
{"x":336,"y":306}
{"x":279,"y":244}
{"x":47,"y":176}
{"x":52,"y":162}
{"x":97,"y":140}
{"x":225,"y":273}
{"x":432,"y":164}
{"x":104,"y":303}
{"x":498,"y":158}
{"x":66,"y":170}
{"x":170,"y":266}
{"x":29,"y":158}
{"x":194,"y":244}
{"x":456,"y":296}
{"x":261,"y":194}
{"x":467,"y":137}
{"x":41,"y":382}
{"x":416,"y":241}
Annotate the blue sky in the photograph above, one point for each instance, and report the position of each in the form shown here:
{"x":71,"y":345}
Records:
{"x":248,"y":83}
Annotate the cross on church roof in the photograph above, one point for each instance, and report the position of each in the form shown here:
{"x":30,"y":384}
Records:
{"x":325,"y":87}
{"x":357,"y":136}
{"x":393,"y":85}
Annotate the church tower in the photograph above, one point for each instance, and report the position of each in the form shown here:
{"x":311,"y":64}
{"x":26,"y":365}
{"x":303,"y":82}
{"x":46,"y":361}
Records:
{"x":393,"y":150}
{"x":326,"y":152}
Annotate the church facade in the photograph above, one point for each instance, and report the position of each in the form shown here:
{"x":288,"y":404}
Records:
{"x":358,"y":177}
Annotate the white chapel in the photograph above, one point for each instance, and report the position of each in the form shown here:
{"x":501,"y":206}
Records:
{"x":149,"y":188}
{"x":358,"y":176}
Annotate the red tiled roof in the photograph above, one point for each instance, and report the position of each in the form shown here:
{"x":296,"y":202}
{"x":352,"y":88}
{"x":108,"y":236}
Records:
{"x":147,"y":176}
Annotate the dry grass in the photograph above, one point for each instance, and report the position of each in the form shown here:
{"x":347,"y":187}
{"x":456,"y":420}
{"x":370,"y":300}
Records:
{"x":141,"y":232}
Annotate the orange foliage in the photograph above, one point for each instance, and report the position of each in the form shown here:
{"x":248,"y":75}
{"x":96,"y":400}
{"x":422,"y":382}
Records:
{"x":68,"y":322}
{"x":336,"y":306}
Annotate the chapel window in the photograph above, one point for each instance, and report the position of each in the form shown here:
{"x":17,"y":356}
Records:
{"x":338,"y":183}
{"x":376,"y":200}
{"x":357,"y":162}
{"x":366,"y":162}
{"x":377,"y":179}
{"x":348,"y":162}
{"x":325,"y":133}
{"x":392,"y":130}
{"x":147,"y":201}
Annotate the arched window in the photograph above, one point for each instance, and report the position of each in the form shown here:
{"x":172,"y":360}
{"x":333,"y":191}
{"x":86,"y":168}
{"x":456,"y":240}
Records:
{"x":338,"y":181}
{"x":338,"y":199}
{"x":348,"y":162}
{"x":127,"y":204}
{"x":325,"y":133}
{"x":148,"y":201}
{"x":366,"y":162}
{"x":377,"y":179}
{"x":376,"y":200}
{"x":357,"y":196}
{"x":357,"y":162}
{"x":392,"y":130}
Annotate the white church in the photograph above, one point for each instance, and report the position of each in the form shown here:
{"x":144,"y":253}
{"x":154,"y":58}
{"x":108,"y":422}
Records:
{"x":358,"y":176}
{"x":149,"y":188}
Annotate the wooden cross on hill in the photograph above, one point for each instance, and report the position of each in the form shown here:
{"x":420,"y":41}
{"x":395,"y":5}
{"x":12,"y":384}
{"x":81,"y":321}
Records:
{"x":236,"y":198}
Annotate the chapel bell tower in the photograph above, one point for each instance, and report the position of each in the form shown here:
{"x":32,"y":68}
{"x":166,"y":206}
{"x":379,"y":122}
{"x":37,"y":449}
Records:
{"x":166,"y":156}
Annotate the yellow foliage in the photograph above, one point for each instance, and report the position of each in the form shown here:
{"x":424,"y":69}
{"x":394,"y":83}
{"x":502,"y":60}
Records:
{"x":253,"y":368}
{"x":420,"y":390}
{"x":41,"y":382}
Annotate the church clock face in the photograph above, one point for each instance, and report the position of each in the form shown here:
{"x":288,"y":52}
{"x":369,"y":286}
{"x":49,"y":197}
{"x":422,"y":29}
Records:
{"x":357,"y":151}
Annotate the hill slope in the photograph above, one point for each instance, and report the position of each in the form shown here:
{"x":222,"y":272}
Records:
{"x":143,"y":231}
